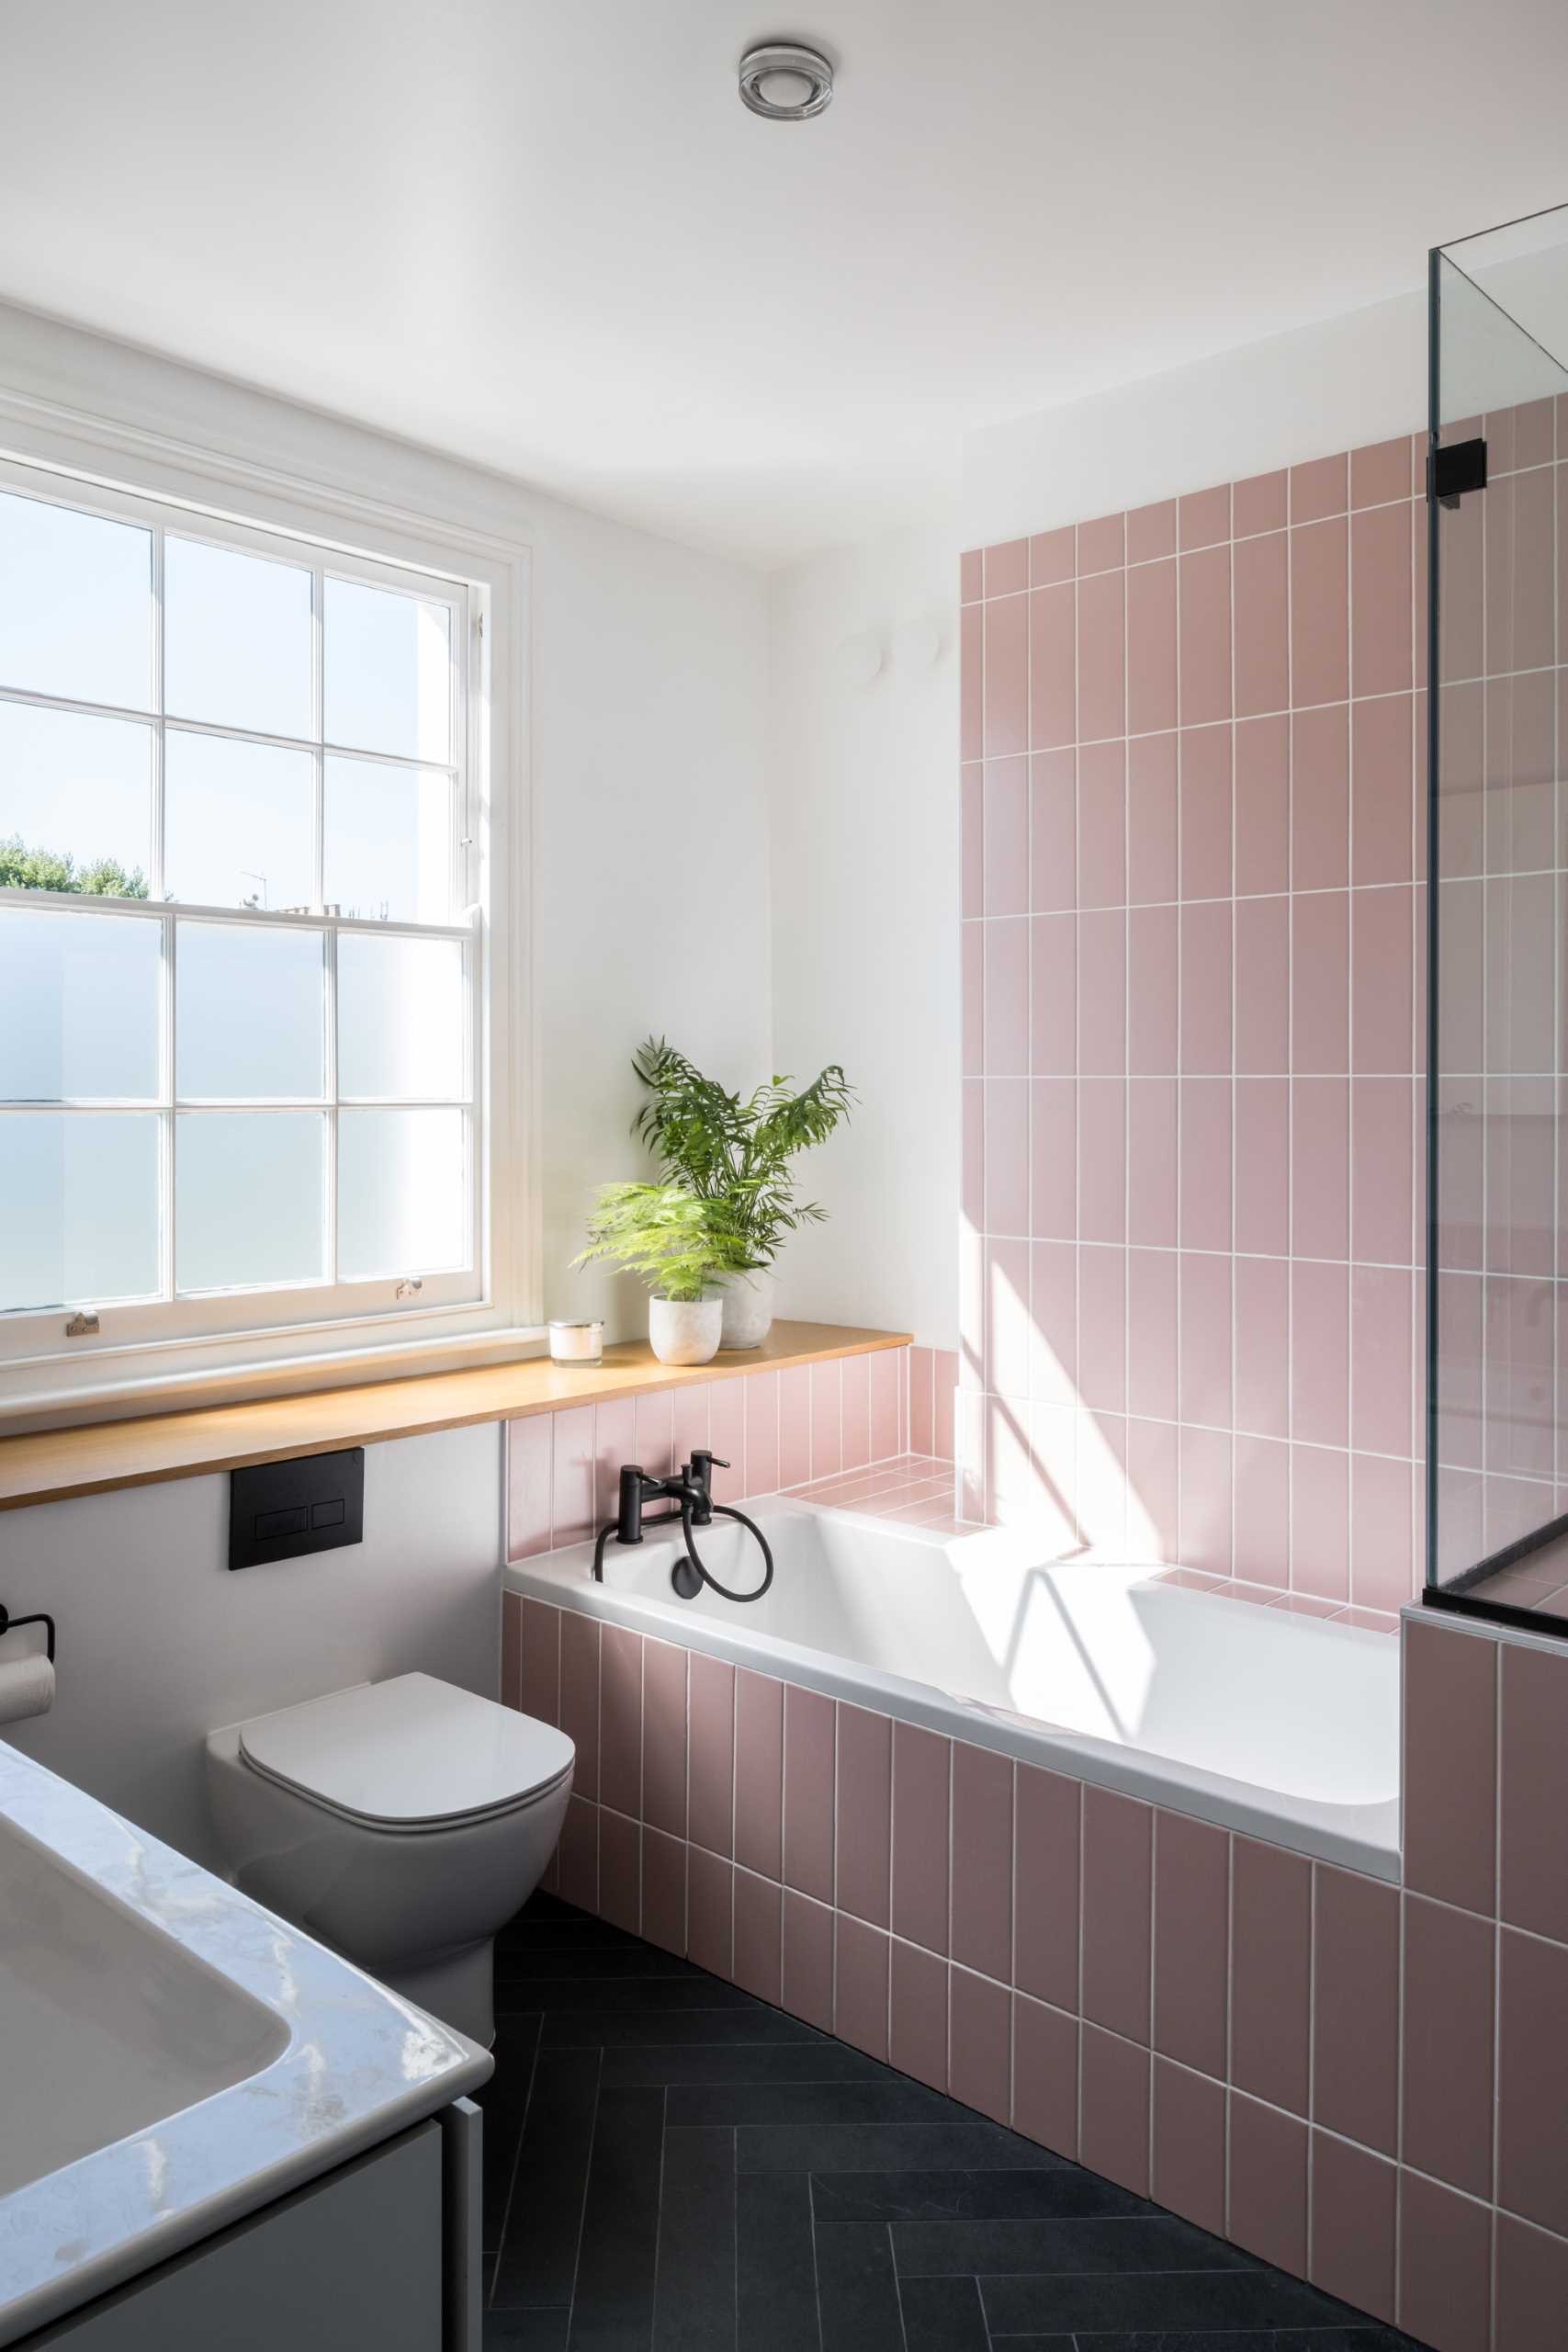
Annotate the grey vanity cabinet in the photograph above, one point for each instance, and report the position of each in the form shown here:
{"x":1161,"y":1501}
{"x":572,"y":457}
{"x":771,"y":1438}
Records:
{"x":380,"y":2254}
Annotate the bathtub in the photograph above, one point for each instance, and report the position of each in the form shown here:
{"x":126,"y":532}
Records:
{"x":1281,"y":1726}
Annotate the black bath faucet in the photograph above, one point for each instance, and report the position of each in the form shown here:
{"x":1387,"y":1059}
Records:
{"x":690,"y":1489}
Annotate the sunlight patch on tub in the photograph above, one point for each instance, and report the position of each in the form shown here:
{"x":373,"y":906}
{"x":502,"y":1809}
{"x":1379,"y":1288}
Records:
{"x":1068,"y":1640}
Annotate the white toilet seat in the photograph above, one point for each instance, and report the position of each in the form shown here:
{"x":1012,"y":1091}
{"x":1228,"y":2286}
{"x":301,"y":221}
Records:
{"x":412,"y":1754}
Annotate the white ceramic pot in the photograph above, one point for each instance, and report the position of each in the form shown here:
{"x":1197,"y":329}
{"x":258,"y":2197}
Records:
{"x":685,"y":1331}
{"x":747,"y":1309}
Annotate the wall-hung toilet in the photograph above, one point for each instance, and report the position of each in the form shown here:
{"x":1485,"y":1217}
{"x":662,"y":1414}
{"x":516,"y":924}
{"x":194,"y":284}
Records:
{"x":402,"y":1822}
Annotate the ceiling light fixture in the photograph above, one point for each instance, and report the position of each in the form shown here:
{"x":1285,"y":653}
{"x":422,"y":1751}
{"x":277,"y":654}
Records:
{"x":786,"y":82}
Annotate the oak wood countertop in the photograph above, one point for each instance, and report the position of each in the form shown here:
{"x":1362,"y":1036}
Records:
{"x":51,"y":1465}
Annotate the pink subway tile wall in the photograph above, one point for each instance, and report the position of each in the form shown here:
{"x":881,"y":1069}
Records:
{"x":1354,"y":2079}
{"x":1190,"y":1294}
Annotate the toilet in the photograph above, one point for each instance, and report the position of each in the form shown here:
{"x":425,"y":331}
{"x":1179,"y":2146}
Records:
{"x":402,"y":1822}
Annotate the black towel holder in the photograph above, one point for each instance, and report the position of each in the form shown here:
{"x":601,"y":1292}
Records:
{"x":9,"y":1625}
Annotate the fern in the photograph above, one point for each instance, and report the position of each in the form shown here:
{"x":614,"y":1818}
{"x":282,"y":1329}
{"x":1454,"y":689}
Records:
{"x":675,"y":1241}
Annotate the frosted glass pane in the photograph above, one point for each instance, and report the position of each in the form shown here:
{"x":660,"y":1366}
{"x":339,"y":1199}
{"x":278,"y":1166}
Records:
{"x":240,"y":824}
{"x":250,"y":1011}
{"x":402,"y":1192}
{"x":389,"y":672}
{"x":400,"y":1018}
{"x":78,"y":1208}
{"x":80,"y":998}
{"x":236,"y":639}
{"x":80,"y":790}
{"x":75,"y":605}
{"x":248,"y":1198}
{"x":389,"y":841}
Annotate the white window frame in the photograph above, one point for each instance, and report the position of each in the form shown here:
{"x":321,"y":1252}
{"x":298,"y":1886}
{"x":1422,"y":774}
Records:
{"x":194,"y":1347}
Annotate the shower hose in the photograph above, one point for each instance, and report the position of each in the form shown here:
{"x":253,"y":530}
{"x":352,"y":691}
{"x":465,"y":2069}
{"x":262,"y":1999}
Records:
{"x":689,"y":1574}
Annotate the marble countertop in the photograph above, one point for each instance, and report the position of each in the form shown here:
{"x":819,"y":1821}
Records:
{"x":353,"y":2065}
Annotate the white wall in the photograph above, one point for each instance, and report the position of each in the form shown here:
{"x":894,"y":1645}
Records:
{"x":862,"y":780}
{"x":649,"y":674}
{"x":1346,"y":381}
{"x":159,"y":1644}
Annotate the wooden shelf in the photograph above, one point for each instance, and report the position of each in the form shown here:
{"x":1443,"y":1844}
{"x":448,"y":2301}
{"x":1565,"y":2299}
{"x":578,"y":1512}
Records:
{"x":54,"y":1465}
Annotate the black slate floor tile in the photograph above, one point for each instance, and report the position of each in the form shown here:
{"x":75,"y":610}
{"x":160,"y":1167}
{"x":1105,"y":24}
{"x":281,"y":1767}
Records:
{"x":612,"y":2305}
{"x":775,"y":2265}
{"x":612,"y":2029}
{"x":944,"y":2316}
{"x":526,"y":2331}
{"x":1106,"y":2302}
{"x":955,"y":2196}
{"x":822,"y":2145}
{"x":522,"y":1963}
{"x":857,"y":2288}
{"x":504,"y":2100}
{"x":543,"y":2216}
{"x":781,"y":2103}
{"x":566,"y":1993}
{"x":693,"y":2307}
{"x":994,"y":2249}
{"x":751,"y":2062}
{"x":1267,"y":2339}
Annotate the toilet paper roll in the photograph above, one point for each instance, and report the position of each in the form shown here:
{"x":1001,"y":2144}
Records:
{"x":27,"y":1688}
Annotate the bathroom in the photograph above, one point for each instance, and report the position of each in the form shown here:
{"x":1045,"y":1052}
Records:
{"x":1080,"y":1860}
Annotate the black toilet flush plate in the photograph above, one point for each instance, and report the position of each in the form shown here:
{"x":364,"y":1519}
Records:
{"x":279,"y":1511}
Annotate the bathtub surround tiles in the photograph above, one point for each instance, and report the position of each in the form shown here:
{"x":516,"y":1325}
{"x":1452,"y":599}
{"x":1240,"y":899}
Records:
{"x":1307,"y":2061}
{"x":1189,"y":1322}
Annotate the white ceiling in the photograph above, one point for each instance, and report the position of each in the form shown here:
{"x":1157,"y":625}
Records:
{"x":545,"y":236}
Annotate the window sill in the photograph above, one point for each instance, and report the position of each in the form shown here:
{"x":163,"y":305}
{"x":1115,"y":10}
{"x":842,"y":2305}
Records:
{"x":52,"y":1465}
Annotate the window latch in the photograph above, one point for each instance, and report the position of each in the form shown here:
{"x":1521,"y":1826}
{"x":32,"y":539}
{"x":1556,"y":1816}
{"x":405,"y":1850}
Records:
{"x":409,"y":1289}
{"x":83,"y":1326}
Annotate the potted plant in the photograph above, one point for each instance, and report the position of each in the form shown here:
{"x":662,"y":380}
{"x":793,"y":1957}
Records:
{"x":737,"y":1154}
{"x":678,"y":1244}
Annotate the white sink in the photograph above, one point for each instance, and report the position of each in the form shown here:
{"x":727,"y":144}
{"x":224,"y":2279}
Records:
{"x":172,"y":2056}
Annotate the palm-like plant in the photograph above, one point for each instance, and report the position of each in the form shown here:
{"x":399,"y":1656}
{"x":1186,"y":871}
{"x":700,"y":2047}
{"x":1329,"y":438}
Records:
{"x":736,"y":1151}
{"x":678,"y":1244}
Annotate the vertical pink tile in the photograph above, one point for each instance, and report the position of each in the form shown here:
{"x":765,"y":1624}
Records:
{"x":971,"y":682}
{"x":922,"y":1364}
{"x":1006,"y":568}
{"x":856,"y":1390}
{"x":1262,"y":625}
{"x":1270,"y":1973}
{"x":693,"y":1421}
{"x":1381,"y":1569}
{"x":1532,"y":2286}
{"x":1318,"y":488}
{"x":760,"y":1396}
{"x":1053,"y":555}
{"x":712,"y":1753}
{"x":1381,"y":471}
{"x":1267,"y":2201}
{"x":620,"y":1871}
{"x":1259,"y":504}
{"x":1010,"y":1333}
{"x":808,"y":1792}
{"x":1206,"y":988}
{"x":1103,"y":992}
{"x":620,"y":1726}
{"x":1320,"y":1353}
{"x":1534,"y":1763}
{"x":1046,"y":2075}
{"x":1356,"y":2008}
{"x":1007,"y":997}
{"x":1101,"y":544}
{"x":1353,"y":2225}
{"x":917,"y":2042}
{"x":1007,"y":676}
{"x":759,"y":1772}
{"x":827,"y":1440}
{"x":982,"y":1859}
{"x":1262,"y":1511}
{"x":579,"y":1855}
{"x":1152,"y":1333}
{"x":1102,"y":700}
{"x":1381,"y":1371}
{"x":1204,"y":1339}
{"x":664,"y":1738}
{"x":1263,"y":986}
{"x":1380,"y":601}
{"x":1045,"y":1886}
{"x":726,"y":1436}
{"x":572,"y":1474}
{"x":1205,"y":1162}
{"x":859,"y":1993}
{"x":1320,"y":798}
{"x":944,"y":1382}
{"x":1381,"y":1170}
{"x":1118,"y":1837}
{"x":1151,"y":1162}
{"x":1320,"y":1167}
{"x":1102,"y":1347}
{"x":921,"y":1774}
{"x":1114,"y":2093}
{"x":1532,"y":2081}
{"x":1151,"y":531}
{"x":795,"y":1426}
{"x":1053,"y":831}
{"x":1263,"y":804}
{"x":1320,"y":1522}
{"x":1205,"y":762}
{"x":1382,"y":927}
{"x":1152,"y":827}
{"x":886,"y":1366}
{"x":1262,"y":1165}
{"x":807,"y":1979}
{"x":1191,"y":1941}
{"x":664,"y":1892}
{"x":758,"y":1936}
{"x":865,"y":1814}
{"x":1205,"y":607}
{"x":580,"y":1696}
{"x":1206,"y":517}
{"x":1320,"y":667}
{"x":972,"y":991}
{"x":1005,"y":821}
{"x":614,"y":1442}
{"x":539,"y":1672}
{"x":1262,"y":1346}
{"x":1151,"y":648}
{"x":1103,"y":825}
{"x":1052,"y":647}
{"x":1446,"y":2072}
{"x":1102,"y":1158}
{"x":1152,"y":990}
{"x":511,"y":1650}
{"x":1153,"y":1491}
{"x":1053,"y":995}
{"x":1004,"y":1153}
{"x":971,"y":841}
{"x":1189,"y":2147}
{"x":971,"y":575}
{"x":528,"y":1452}
{"x":655,"y":1434}
{"x":1449,"y":1772}
{"x":710,"y":1912}
{"x":1206,"y":1527}
{"x":1445,"y":2267}
{"x":1320,"y":977}
{"x":1382,"y":789}
{"x":980,"y":2044}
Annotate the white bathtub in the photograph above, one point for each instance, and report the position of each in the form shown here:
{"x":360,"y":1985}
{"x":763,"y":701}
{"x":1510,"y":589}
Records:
{"x":1281,"y":1726}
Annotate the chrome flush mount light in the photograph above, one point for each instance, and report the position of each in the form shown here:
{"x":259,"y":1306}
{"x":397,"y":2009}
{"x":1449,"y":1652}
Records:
{"x":786,"y":82}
